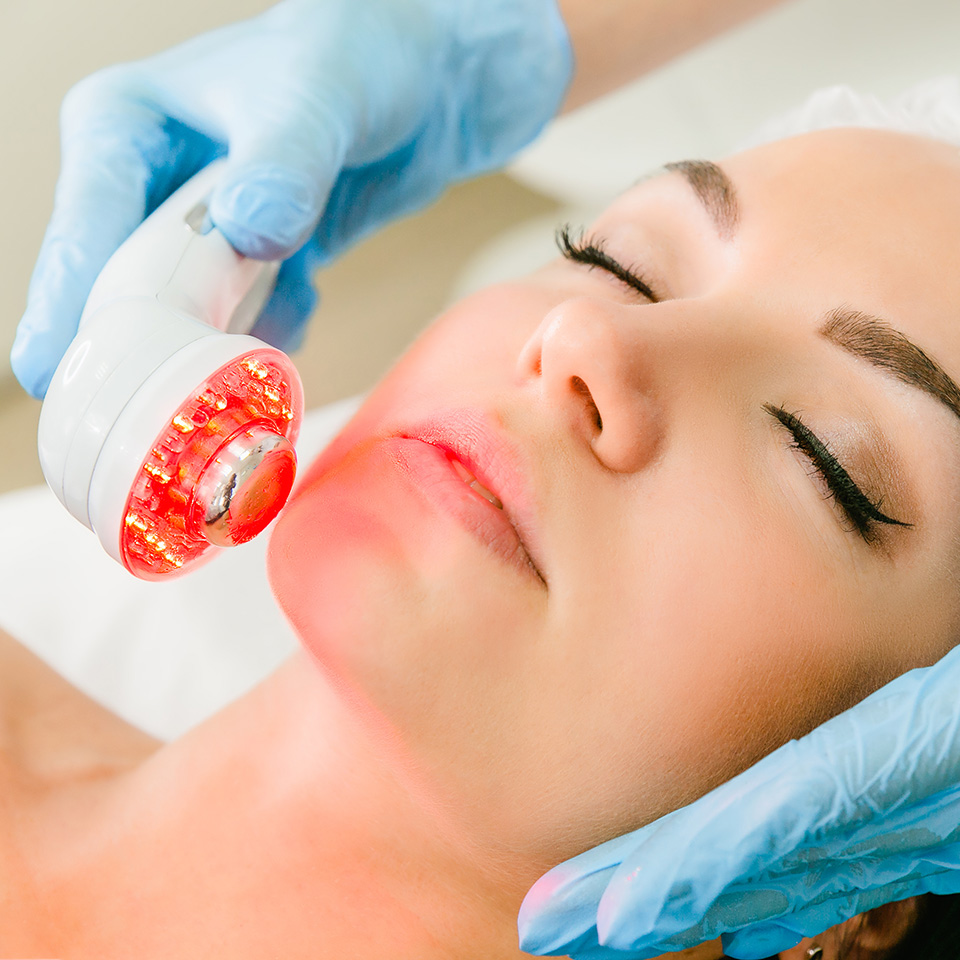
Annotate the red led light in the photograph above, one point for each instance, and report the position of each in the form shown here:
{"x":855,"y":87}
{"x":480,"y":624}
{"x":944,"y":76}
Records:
{"x":162,"y":529}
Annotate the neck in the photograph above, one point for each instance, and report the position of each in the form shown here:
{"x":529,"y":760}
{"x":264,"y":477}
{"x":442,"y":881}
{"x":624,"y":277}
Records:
{"x":286,"y":825}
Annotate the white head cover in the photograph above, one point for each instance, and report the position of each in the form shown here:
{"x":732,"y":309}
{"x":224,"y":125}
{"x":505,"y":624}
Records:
{"x":931,"y":109}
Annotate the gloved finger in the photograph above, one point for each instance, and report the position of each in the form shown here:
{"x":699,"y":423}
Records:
{"x":691,"y":878}
{"x":761,"y":940}
{"x":122,"y":155}
{"x":101,"y":196}
{"x":674,"y":870}
{"x":294,"y":299}
{"x":366,"y":197}
{"x":559,"y":912}
{"x":848,"y":892}
{"x":275,"y":184}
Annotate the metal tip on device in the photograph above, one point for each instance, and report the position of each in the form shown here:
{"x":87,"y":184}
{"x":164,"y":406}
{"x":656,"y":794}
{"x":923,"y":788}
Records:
{"x":245,"y":486}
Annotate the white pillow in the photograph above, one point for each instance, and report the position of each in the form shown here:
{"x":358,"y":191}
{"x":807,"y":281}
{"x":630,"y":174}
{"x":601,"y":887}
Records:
{"x":162,"y":655}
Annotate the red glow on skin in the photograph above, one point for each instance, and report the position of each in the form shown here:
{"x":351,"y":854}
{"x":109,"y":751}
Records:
{"x":392,"y":518}
{"x":432,"y":468}
{"x":474,"y":441}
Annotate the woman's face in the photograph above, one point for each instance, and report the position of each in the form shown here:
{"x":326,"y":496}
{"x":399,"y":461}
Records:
{"x":693,"y":579}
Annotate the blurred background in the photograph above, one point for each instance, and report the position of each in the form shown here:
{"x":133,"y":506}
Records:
{"x":378,"y":296}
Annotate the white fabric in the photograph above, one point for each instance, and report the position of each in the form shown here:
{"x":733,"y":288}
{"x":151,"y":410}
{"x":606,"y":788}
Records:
{"x":930,"y":109}
{"x":161,"y":655}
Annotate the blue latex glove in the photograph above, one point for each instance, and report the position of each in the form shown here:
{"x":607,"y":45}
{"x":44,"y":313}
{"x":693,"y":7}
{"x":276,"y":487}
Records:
{"x":359,"y":110}
{"x":862,"y":811}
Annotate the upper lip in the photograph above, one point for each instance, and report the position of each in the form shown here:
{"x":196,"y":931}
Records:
{"x":495,"y":461}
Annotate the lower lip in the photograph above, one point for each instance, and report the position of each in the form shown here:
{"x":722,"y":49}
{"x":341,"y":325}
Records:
{"x":434,"y":473}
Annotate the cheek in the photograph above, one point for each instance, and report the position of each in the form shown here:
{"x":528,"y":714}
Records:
{"x":471,"y":349}
{"x":702,"y":649}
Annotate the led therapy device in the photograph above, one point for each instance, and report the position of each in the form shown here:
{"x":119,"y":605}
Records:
{"x":166,"y":430}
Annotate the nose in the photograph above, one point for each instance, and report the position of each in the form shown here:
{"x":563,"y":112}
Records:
{"x":590,"y":360}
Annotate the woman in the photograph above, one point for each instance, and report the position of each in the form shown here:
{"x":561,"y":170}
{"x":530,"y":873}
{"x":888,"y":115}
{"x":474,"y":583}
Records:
{"x":601,"y":539}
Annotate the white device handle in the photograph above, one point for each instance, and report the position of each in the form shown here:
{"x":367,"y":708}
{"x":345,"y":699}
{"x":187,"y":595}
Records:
{"x":193,"y":270}
{"x":122,"y":402}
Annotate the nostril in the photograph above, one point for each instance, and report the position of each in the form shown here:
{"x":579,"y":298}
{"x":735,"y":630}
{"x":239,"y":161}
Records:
{"x":579,"y":387}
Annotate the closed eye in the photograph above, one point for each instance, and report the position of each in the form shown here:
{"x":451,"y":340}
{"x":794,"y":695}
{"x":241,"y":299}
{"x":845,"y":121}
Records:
{"x":859,"y":509}
{"x":593,"y":253}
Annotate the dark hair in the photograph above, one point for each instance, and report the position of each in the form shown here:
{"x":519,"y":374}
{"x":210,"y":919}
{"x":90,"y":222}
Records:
{"x":936,"y":933}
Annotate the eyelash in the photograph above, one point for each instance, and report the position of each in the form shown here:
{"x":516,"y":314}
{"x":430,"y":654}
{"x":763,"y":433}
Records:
{"x":594,"y":254}
{"x":862,"y":512}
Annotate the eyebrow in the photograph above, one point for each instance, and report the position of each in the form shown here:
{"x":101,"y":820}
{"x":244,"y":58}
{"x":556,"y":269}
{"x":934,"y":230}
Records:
{"x":714,"y":190}
{"x":860,"y":334}
{"x":877,"y":342}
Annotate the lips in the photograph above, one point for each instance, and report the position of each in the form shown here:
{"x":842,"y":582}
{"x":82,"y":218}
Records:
{"x":493,"y":469}
{"x":471,"y":481}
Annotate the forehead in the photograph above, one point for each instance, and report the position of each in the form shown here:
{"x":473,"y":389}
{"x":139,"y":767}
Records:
{"x":864,"y":218}
{"x":847,"y":181}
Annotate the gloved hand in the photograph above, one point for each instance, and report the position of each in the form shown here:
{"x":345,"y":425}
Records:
{"x":862,"y":811}
{"x":359,"y":110}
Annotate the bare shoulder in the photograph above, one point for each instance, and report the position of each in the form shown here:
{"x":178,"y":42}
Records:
{"x":55,"y":732}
